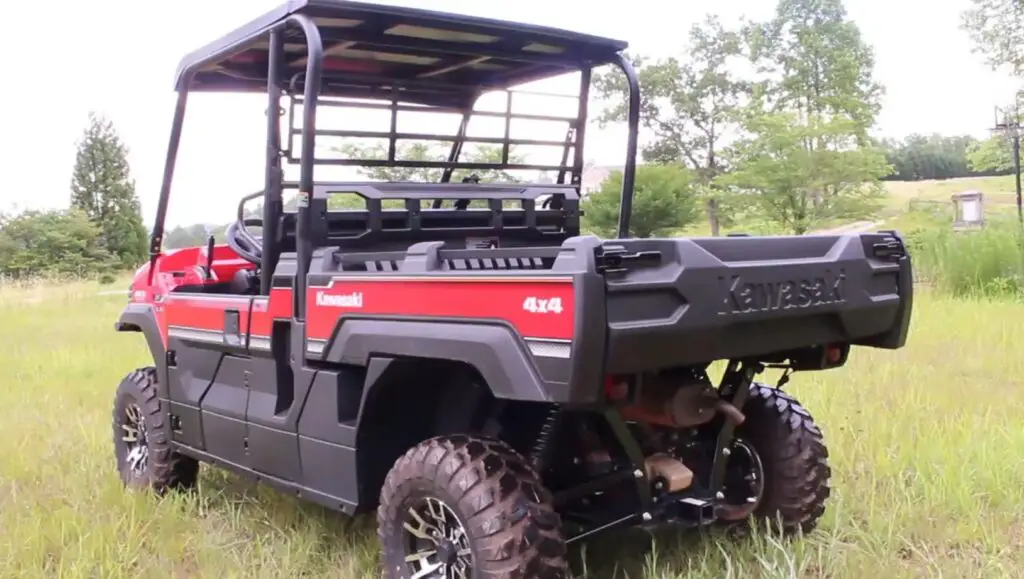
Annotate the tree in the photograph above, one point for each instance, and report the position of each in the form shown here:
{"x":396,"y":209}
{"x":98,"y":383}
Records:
{"x":806,"y":156}
{"x":664,"y":200}
{"x":993,"y":155}
{"x":101,"y":187}
{"x":51,"y":243}
{"x":798,"y":187}
{"x":997,"y":29}
{"x":816,"y":63}
{"x":686,"y":103}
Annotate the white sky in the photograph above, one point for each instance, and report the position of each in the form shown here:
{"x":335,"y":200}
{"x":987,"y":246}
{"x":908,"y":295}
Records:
{"x":119,"y":57}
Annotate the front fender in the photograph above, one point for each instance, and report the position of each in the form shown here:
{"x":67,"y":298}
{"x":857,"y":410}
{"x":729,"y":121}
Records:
{"x":494,"y":350}
{"x":142,"y":318}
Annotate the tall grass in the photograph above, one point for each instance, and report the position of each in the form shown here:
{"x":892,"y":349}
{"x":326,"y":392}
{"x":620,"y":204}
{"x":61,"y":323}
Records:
{"x":982,"y":262}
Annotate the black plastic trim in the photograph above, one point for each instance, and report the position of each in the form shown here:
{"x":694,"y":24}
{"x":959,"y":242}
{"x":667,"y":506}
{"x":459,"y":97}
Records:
{"x":494,"y":349}
{"x":141,"y":318}
{"x":303,"y":492}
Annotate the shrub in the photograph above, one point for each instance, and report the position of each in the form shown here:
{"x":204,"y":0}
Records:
{"x":61,"y":244}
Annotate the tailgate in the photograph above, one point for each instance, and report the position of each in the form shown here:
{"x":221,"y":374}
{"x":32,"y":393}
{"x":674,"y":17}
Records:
{"x":673,"y":302}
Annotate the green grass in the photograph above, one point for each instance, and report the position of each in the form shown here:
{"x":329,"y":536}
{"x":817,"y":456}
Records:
{"x":925,"y":446}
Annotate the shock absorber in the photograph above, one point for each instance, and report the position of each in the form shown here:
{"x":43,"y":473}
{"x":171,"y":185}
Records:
{"x":538,"y":456}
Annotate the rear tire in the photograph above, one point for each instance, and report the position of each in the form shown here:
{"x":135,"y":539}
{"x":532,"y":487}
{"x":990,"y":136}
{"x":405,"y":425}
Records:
{"x":793,"y":459}
{"x":476,"y":505}
{"x":142,"y":438}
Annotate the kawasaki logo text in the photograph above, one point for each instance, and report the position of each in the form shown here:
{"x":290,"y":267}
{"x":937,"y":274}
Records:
{"x":747,"y":297}
{"x":352,"y":300}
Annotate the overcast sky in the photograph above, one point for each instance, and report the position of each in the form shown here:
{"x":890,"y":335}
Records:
{"x":119,"y":57}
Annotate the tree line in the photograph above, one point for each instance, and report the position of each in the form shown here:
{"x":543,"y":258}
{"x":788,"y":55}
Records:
{"x":919,"y":157}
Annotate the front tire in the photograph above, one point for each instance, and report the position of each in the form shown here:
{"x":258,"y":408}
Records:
{"x":142,"y":440}
{"x":790,"y":453}
{"x":465,"y":507}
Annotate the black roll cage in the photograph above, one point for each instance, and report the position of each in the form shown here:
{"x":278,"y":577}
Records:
{"x":273,"y":203}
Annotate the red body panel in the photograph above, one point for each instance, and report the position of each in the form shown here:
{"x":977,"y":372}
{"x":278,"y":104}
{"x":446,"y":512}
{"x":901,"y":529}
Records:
{"x":494,"y":298}
{"x":185,"y":267}
{"x":206,"y":312}
{"x":537,"y":307}
{"x":265,"y":310}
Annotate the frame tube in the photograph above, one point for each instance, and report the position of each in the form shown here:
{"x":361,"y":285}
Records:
{"x":310,"y":95}
{"x":157,"y":237}
{"x":629,"y":171}
{"x":582,"y":113}
{"x":272,"y":203}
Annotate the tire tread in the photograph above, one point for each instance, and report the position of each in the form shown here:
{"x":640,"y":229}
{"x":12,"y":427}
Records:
{"x":515,"y":531}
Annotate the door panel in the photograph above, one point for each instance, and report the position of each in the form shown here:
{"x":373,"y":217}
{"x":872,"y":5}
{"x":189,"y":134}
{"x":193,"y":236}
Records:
{"x":208,"y":371}
{"x":223,"y":411}
{"x":189,"y":376}
{"x":277,"y":389}
{"x":219,"y":322}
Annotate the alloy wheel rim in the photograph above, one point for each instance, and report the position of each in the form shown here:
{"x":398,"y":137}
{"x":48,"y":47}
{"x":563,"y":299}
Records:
{"x":437,"y":545}
{"x":133,"y":434}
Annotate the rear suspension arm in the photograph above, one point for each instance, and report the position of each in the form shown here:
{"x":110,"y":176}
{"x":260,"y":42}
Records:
{"x":735,"y":388}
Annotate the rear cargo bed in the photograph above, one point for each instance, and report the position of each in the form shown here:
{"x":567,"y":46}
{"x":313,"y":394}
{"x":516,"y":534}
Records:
{"x":731,"y":297}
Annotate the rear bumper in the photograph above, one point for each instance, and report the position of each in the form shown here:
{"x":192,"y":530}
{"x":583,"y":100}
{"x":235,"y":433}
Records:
{"x":721,"y":298}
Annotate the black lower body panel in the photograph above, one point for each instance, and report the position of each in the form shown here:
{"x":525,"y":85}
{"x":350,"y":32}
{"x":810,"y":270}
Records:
{"x":274,"y":452}
{"x":344,"y":456}
{"x":331,"y":469}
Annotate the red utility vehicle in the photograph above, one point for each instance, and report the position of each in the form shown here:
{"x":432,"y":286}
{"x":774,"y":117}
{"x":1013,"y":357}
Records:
{"x":495,"y":384}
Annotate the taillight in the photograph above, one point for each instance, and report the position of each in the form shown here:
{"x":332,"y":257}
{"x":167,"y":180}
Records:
{"x":616,"y":388}
{"x":833,"y":354}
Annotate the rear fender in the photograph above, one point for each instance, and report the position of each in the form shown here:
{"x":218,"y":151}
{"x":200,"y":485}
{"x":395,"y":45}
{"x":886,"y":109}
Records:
{"x":141,"y":318}
{"x":495,"y":351}
{"x":406,"y":401}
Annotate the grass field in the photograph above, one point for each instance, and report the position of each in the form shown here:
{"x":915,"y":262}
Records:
{"x":935,"y":196}
{"x":926,"y":447}
{"x":997,"y":190}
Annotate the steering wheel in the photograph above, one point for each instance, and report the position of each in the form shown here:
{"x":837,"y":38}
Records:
{"x":245,"y":244}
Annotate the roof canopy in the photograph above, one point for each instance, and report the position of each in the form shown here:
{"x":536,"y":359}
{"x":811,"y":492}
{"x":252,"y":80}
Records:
{"x":437,"y":58}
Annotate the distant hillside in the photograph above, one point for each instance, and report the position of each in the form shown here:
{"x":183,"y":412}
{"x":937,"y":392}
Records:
{"x":998,"y":191}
